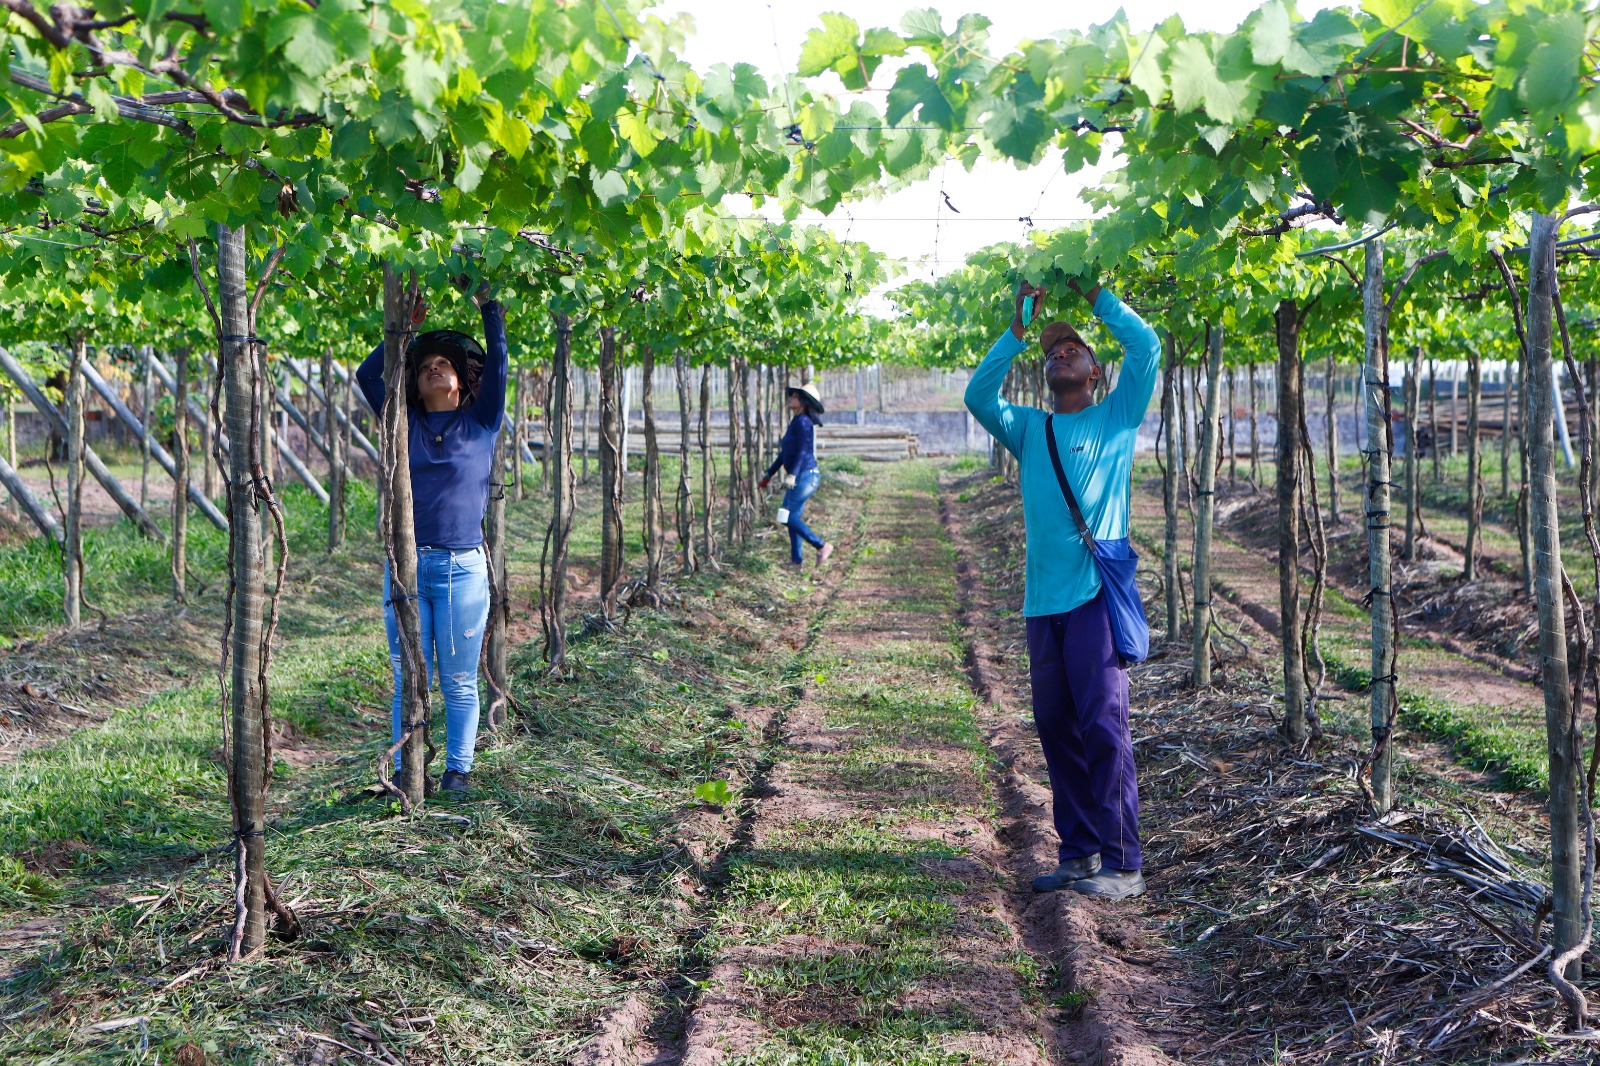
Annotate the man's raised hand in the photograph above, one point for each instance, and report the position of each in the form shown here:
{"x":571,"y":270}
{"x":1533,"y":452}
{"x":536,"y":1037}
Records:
{"x":1025,"y":292}
{"x":1091,"y":294}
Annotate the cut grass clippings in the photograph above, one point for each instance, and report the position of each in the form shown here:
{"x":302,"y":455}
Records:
{"x":1482,"y":736}
{"x":494,"y":929}
{"x":1310,"y":933}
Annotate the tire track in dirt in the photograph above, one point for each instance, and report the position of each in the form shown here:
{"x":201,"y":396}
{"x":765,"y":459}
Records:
{"x":651,"y":1029}
{"x":1087,"y":941}
{"x":878,"y":786}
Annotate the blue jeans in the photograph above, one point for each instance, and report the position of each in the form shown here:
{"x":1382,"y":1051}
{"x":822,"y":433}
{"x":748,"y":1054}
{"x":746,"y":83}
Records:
{"x":453,"y":599}
{"x":805,"y":483}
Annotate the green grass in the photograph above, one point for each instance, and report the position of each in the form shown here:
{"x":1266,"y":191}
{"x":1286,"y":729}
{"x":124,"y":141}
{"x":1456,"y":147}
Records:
{"x":902,"y":1039}
{"x":848,"y":880}
{"x":1477,"y":734}
{"x":845,"y":464}
{"x":966,"y":463}
{"x":552,"y":891}
{"x":865,"y":883}
{"x":125,"y":571}
{"x":881,"y":715}
{"x":22,"y":887}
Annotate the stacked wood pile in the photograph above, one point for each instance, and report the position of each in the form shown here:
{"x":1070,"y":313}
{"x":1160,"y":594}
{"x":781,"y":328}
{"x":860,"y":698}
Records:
{"x":870,"y":443}
{"x":1491,"y":417}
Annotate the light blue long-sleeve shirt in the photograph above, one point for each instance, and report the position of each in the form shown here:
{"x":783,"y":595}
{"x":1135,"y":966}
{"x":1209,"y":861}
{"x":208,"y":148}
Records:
{"x":1096,"y":447}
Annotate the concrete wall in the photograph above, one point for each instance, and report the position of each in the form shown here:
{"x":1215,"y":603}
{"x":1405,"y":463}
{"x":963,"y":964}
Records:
{"x":937,"y":432}
{"x":33,"y":431}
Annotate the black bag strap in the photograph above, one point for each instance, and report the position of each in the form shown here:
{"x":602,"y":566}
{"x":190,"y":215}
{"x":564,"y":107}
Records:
{"x":1066,"y":489}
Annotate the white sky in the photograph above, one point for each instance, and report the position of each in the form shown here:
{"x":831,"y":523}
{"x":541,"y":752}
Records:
{"x":912,"y":224}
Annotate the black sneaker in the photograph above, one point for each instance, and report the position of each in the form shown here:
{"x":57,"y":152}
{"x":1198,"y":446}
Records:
{"x":1112,"y":884}
{"x":1068,"y":872}
{"x":454,"y":781}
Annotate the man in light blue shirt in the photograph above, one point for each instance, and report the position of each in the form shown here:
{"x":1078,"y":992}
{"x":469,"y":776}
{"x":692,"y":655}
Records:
{"x":1080,"y":688}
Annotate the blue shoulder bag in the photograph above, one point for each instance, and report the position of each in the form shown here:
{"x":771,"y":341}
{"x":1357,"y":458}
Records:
{"x":1118,"y":565}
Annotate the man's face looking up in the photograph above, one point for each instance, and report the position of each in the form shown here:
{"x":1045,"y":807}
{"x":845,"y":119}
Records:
{"x":1070,"y":365}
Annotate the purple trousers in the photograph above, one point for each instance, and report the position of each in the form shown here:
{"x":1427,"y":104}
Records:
{"x":1080,"y":706}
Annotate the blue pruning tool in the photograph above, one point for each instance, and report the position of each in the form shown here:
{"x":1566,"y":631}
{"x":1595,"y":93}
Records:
{"x":1027,"y":305}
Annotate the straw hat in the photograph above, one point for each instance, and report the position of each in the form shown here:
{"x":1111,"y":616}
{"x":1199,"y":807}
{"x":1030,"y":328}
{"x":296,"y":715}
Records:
{"x":809,"y":397}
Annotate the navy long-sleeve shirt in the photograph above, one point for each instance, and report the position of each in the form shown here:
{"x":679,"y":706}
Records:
{"x":797,"y":451}
{"x":452,"y":451}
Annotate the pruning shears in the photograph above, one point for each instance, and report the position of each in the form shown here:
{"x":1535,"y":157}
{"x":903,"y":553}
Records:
{"x":1027,"y":305}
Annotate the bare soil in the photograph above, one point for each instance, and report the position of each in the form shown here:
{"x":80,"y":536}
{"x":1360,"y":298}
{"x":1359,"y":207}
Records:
{"x":1245,"y":558}
{"x":65,"y":680}
{"x":99,"y":509}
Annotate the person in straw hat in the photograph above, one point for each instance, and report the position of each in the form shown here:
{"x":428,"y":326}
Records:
{"x":797,"y":455}
{"x":456,"y":395}
{"x":1080,"y":686}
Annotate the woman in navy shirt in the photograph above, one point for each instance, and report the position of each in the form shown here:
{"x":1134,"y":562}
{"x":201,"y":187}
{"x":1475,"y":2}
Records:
{"x":798,"y":456}
{"x":456,"y":395}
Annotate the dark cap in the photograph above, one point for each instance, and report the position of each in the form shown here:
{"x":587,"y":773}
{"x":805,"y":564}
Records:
{"x":1056,"y":332}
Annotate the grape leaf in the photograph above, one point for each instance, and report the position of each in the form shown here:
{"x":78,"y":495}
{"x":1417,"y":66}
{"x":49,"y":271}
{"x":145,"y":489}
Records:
{"x":100,"y":98}
{"x":1017,"y":125}
{"x":305,"y":41}
{"x":923,"y":26}
{"x":508,"y":131}
{"x":824,"y":47}
{"x":610,"y":187}
{"x":422,"y":76}
{"x":1315,"y":48}
{"x":1552,"y":78}
{"x":1144,"y":70}
{"x":635,"y":129}
{"x":915,"y":90}
{"x":1355,"y":162}
{"x":1197,"y":82}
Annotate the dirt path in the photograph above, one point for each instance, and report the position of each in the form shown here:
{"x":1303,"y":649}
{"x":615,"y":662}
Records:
{"x":99,"y":509}
{"x":1114,"y":980}
{"x":872,"y":907}
{"x":1465,"y":687}
{"x":871,"y":913}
